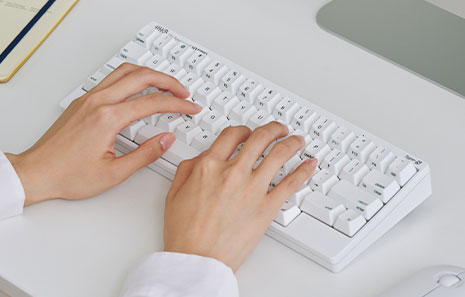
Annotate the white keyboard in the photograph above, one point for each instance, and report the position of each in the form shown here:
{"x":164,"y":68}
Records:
{"x":363,"y":185}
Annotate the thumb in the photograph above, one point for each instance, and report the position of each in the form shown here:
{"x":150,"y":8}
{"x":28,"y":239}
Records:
{"x":145,"y":154}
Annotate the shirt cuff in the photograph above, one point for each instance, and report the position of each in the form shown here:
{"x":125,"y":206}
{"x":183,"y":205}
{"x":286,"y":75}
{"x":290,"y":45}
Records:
{"x":11,"y":190}
{"x":176,"y":275}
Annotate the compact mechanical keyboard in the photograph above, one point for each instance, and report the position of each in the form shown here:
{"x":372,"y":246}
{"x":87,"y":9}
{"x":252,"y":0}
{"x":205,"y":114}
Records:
{"x":361,"y":188}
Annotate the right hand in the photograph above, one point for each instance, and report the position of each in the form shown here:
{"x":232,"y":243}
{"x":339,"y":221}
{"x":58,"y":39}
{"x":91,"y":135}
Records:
{"x":220,"y":208}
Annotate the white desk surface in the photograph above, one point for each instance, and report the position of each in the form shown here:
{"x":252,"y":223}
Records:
{"x":86,"y":248}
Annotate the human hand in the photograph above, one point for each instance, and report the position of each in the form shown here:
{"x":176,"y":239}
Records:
{"x":76,"y":159}
{"x":220,"y":208}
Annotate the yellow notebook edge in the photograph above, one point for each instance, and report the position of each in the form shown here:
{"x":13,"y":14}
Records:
{"x":20,"y":64}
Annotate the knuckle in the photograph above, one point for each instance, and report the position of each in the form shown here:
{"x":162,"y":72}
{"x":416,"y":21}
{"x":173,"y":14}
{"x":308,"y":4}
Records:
{"x":105,"y":114}
{"x":126,"y":66}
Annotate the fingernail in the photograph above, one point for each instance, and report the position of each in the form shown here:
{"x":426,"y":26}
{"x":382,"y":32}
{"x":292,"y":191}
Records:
{"x":312,"y":162}
{"x":187,"y":90}
{"x":198,"y":107}
{"x":167,"y":140}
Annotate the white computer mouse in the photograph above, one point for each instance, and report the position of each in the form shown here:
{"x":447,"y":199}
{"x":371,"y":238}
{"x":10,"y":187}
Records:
{"x":436,"y":281}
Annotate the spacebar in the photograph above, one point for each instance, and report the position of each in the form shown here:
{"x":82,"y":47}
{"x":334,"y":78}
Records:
{"x":179,"y":152}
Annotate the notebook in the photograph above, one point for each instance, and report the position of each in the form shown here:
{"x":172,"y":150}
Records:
{"x":24,"y":25}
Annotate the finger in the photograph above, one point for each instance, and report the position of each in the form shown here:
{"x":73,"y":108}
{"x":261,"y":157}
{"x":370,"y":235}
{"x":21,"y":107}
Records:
{"x":144,"y":155}
{"x":150,"y":104}
{"x":120,"y":72}
{"x":279,"y":154}
{"x":260,"y":139}
{"x":291,"y":183}
{"x":141,"y":79}
{"x":183,"y":172}
{"x":229,"y":139}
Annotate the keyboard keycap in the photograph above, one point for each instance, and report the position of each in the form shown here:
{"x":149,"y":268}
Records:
{"x":249,"y":91}
{"x":147,"y":132}
{"x":162,"y":45}
{"x":225,"y":102}
{"x":242,"y":112}
{"x":179,"y":152}
{"x":111,"y":65}
{"x":335,"y":161}
{"x":316,"y":149}
{"x":381,"y":185}
{"x":323,"y":181}
{"x":349,"y":222}
{"x":213,"y":121}
{"x":147,"y":35}
{"x":402,"y":170}
{"x":197,"y":63}
{"x":322,"y":208}
{"x":203,"y":141}
{"x":186,"y":132}
{"x":196,"y":118}
{"x":260,"y":118}
{"x":214,"y":72}
{"x":207,"y":93}
{"x":341,"y":139}
{"x":354,"y":172}
{"x":192,"y":82}
{"x":361,"y":148}
{"x":175,"y":71}
{"x":323,"y":128}
{"x":304,"y":119}
{"x":93,"y":80}
{"x":169,"y":121}
{"x":157,"y":63}
{"x":232,"y":81}
{"x":285,"y":110}
{"x":287,"y":214}
{"x":179,"y":53}
{"x":298,"y":197}
{"x":135,"y":53}
{"x":130,"y":131}
{"x":355,"y":198}
{"x":380,"y":159}
{"x":267,"y":100}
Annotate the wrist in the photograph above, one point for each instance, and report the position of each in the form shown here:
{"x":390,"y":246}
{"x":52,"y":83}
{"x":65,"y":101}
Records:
{"x":32,"y":177}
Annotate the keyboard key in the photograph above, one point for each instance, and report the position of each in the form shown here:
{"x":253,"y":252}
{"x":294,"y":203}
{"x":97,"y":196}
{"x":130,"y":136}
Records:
{"x":157,"y":63}
{"x":169,"y":121}
{"x":242,"y":112}
{"x":111,"y":65}
{"x":249,"y":91}
{"x":380,"y":159}
{"x":260,"y":118}
{"x":341,"y":139}
{"x":179,"y":53}
{"x":285,"y":110}
{"x":355,"y":198}
{"x":130,"y":131}
{"x":180,"y":151}
{"x":207,"y":93}
{"x":287,"y":214}
{"x":213,"y":122}
{"x":349,"y":222}
{"x":322,"y":208}
{"x":316,"y":149}
{"x":361,"y":148}
{"x":267,"y":100}
{"x":93,"y":80}
{"x":214,"y":72}
{"x":203,"y":141}
{"x":402,"y":170}
{"x":232,"y":81}
{"x":292,"y":164}
{"x":225,"y":102}
{"x":335,"y":161}
{"x":280,"y":175}
{"x":147,"y":35}
{"x":304,"y":119}
{"x":381,"y":185}
{"x":197,"y":63}
{"x":135,"y":53}
{"x":323,"y":181}
{"x":162,"y":45}
{"x":354,"y":172}
{"x":323,"y":128}
{"x":192,"y":82}
{"x":298,"y":197}
{"x":152,"y":120}
{"x":147,"y":132}
{"x":175,"y":71}
{"x":196,"y":118}
{"x":186,"y":132}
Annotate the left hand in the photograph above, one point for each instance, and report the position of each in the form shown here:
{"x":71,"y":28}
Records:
{"x":76,"y":159}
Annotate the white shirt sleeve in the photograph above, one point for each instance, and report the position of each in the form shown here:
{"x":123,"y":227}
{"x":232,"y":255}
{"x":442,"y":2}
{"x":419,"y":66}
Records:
{"x":11,"y":190}
{"x":180,"y":275}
